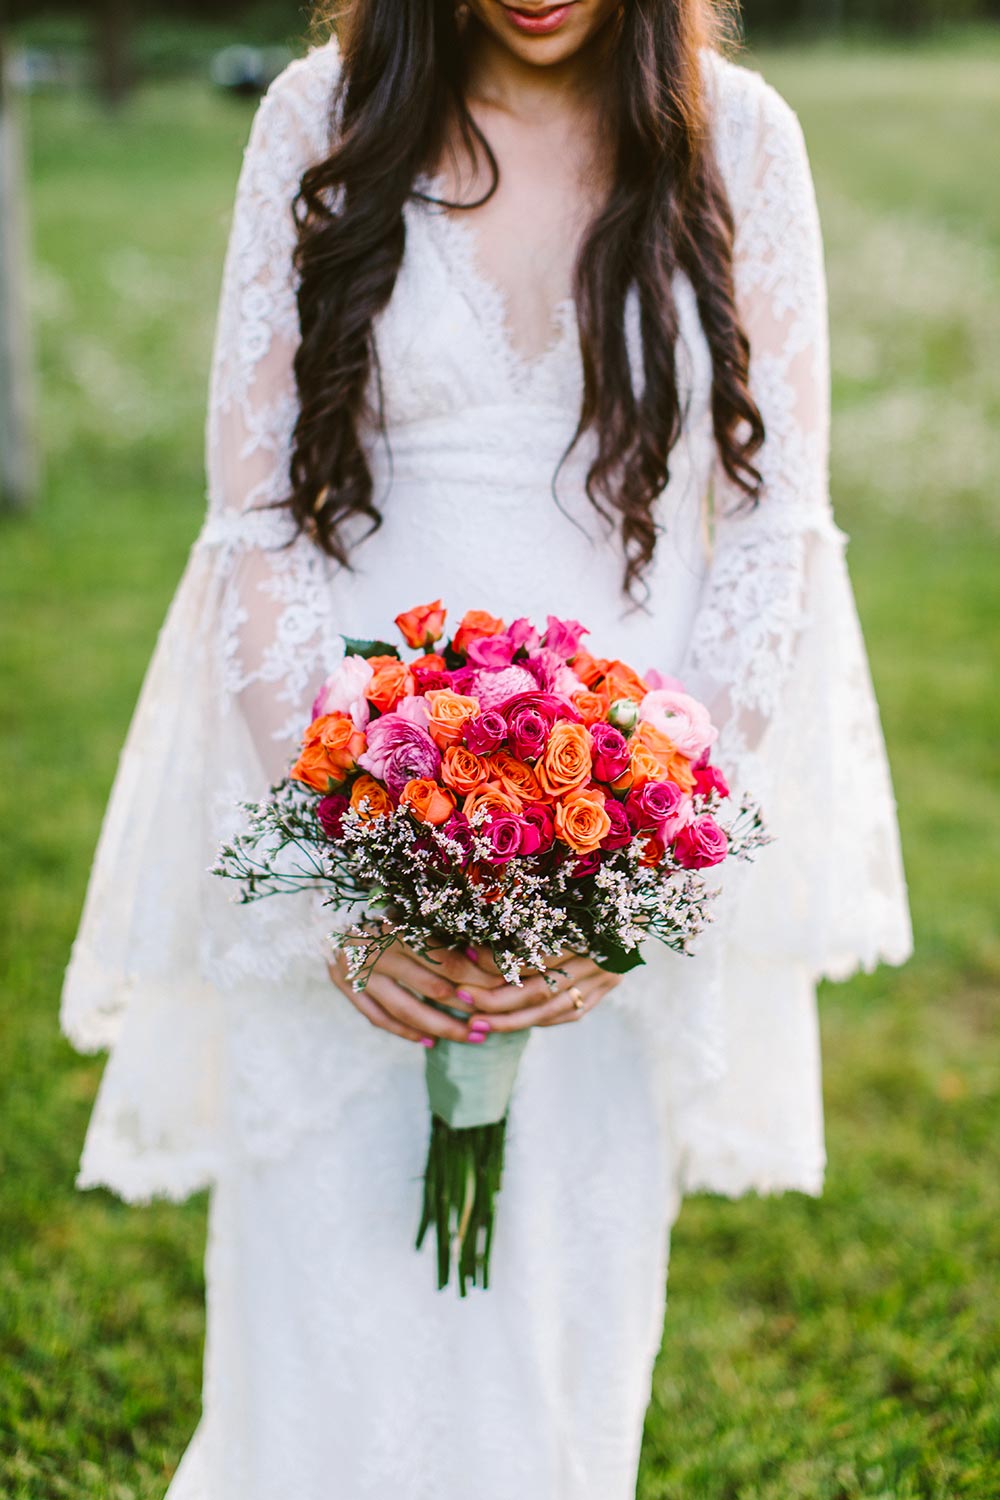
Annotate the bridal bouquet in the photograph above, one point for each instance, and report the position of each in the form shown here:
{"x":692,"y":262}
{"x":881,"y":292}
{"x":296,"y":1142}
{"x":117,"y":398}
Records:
{"x":505,"y":791}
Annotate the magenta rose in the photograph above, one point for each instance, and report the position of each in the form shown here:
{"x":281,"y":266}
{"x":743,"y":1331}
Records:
{"x":540,"y":817}
{"x":620,"y":833}
{"x":610,"y":752}
{"x":709,"y":779}
{"x":701,"y":844}
{"x":528,"y":729}
{"x":491,"y":651}
{"x":653,"y":805}
{"x":430,"y":679}
{"x":563,"y":637}
{"x":503,"y":833}
{"x":486,"y":732}
{"x":398,"y":752}
{"x":522,"y":635}
{"x":585,"y":864}
{"x":330,"y":812}
{"x":459,"y":830}
{"x":549,"y":705}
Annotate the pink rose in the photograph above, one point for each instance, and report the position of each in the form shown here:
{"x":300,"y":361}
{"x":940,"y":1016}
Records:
{"x":701,"y":844}
{"x":620,"y":834}
{"x":486,"y":732}
{"x":522,"y":635}
{"x":540,"y":817}
{"x":429,"y":679}
{"x":654,"y":805}
{"x":611,"y":754}
{"x":503,"y":832}
{"x":681,"y":718}
{"x":709,"y":779}
{"x":585,"y":864}
{"x":528,"y":729}
{"x":548,"y":667}
{"x":398,"y":752}
{"x":459,"y":830}
{"x":330,"y":812}
{"x":491,"y":651}
{"x":343,"y":692}
{"x":563,"y":636}
{"x":550,"y":705}
{"x":414,"y":709}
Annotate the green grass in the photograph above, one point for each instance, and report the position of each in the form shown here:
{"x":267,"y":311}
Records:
{"x":823,"y":1349}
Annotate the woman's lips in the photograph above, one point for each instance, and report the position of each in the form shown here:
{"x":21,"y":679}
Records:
{"x":541,"y":20}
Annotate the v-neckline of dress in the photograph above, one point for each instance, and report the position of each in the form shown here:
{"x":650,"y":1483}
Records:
{"x":488,"y":301}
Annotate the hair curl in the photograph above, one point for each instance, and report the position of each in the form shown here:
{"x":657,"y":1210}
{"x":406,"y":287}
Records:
{"x":667,"y":209}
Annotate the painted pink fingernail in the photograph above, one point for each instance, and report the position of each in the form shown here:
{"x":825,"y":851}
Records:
{"x":479,"y":1023}
{"x":465,"y":997}
{"x":427,"y":1041}
{"x":472,"y":954}
{"x":477,"y":1036}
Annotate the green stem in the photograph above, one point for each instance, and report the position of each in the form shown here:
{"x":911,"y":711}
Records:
{"x":461,"y":1183}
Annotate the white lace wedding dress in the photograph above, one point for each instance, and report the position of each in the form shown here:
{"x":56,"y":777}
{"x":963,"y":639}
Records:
{"x":334,"y":1368}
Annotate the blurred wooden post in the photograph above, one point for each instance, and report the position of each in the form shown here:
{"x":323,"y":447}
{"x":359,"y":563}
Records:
{"x":18,"y":453}
{"x":115,"y":70}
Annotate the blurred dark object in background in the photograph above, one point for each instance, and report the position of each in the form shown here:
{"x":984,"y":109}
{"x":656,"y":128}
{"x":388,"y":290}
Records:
{"x":248,"y":70}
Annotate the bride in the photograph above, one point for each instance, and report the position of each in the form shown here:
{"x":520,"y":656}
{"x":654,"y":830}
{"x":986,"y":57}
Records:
{"x":545,"y":332}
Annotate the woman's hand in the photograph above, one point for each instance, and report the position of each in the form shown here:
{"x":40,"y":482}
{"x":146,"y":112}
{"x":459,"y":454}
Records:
{"x":579,"y":985}
{"x":401,"y":984}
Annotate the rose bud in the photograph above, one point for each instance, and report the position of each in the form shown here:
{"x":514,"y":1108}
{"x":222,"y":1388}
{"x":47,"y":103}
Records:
{"x":611,"y":752}
{"x":486,"y":732}
{"x":624,"y":715}
{"x":701,"y":844}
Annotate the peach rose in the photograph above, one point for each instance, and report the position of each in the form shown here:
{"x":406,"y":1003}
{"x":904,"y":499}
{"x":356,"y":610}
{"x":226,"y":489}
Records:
{"x":581,"y":819}
{"x":391,"y":680}
{"x":423,"y":625}
{"x":428,"y":802}
{"x":463,"y":770}
{"x":493,"y":798}
{"x":674,"y":766}
{"x":567,"y":759}
{"x":475,"y":625}
{"x":620,"y":681}
{"x":515,"y":776}
{"x":378,"y":802}
{"x":449,"y":712}
{"x":330,"y":749}
{"x":591,"y":706}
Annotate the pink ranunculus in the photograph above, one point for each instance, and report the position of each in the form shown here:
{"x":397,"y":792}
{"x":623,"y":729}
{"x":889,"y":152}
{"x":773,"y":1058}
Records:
{"x":522,"y":635}
{"x":528,"y":729}
{"x":486,"y":732}
{"x":681,"y":718}
{"x":611,"y":754}
{"x":564,"y":636}
{"x":330,"y":812}
{"x":547,"y":667}
{"x":658,"y":681}
{"x":701,"y":844}
{"x":495,"y":686}
{"x":549,"y":704}
{"x":709,"y":779}
{"x":653,"y":805}
{"x":585,"y":864}
{"x":620,"y":833}
{"x":503,"y":832}
{"x":343,"y":692}
{"x":414,"y":709}
{"x":541,"y":818}
{"x":491,"y":651}
{"x":398,"y":752}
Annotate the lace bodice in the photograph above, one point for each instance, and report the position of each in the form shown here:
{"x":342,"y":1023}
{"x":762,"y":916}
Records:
{"x":752,"y":608}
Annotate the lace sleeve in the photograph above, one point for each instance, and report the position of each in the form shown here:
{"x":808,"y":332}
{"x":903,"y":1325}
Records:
{"x":746,"y":630}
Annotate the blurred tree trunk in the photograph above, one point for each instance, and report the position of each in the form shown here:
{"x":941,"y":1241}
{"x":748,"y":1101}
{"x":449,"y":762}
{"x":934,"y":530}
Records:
{"x":115,"y":64}
{"x":18,"y":452}
{"x":823,"y":15}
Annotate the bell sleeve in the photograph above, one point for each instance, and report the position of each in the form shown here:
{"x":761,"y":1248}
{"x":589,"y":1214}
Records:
{"x":248,"y":637}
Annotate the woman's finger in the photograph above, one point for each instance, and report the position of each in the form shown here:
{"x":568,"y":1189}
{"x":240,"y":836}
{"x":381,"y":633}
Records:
{"x":407,"y":1008}
{"x":568,"y":1004}
{"x":400,"y":964}
{"x":372,"y":1011}
{"x":457,"y":967}
{"x":592,"y":997}
{"x":533,"y":992}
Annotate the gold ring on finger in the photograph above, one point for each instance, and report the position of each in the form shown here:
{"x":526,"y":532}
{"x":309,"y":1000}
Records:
{"x":576,"y":996}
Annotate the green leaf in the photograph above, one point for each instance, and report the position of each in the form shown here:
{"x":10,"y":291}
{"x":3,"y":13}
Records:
{"x":369,"y":648}
{"x":616,"y":960}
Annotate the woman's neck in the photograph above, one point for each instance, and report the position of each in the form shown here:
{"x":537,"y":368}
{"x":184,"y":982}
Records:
{"x":499,"y":79}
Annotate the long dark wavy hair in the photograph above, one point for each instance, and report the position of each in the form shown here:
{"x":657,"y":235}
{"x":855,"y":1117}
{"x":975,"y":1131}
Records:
{"x":667,"y":208}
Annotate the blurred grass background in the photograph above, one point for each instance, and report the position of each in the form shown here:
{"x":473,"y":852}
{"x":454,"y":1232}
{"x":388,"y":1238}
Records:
{"x":826,"y":1350}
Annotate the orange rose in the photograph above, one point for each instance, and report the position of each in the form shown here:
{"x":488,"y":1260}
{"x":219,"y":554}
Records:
{"x":432,"y":660}
{"x":589,"y":669}
{"x":567,"y":760}
{"x":494,"y":798}
{"x":475,"y":625}
{"x":423,"y":625}
{"x":581,"y":819}
{"x":391,"y":680}
{"x":449,"y":712}
{"x":673,"y":765}
{"x":330,"y":749}
{"x":591,"y":706}
{"x":428,"y":802}
{"x":463,"y":771}
{"x":620,"y":681}
{"x":515,"y":777}
{"x":378,"y":802}
{"x":653,"y":850}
